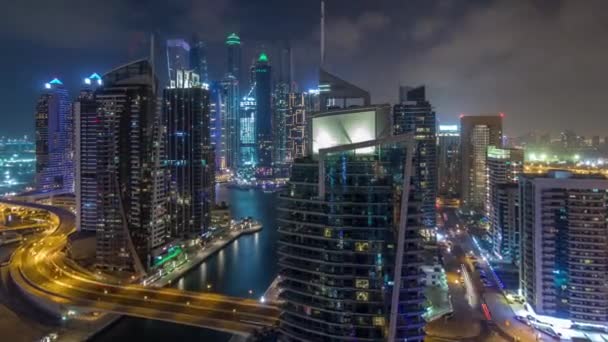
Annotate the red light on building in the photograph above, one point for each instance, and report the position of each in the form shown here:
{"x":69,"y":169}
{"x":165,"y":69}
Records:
{"x":502,"y":115}
{"x":461,"y":116}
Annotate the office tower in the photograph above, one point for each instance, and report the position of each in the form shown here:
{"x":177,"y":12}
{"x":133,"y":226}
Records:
{"x":178,"y":58}
{"x":263,"y":120}
{"x":563,"y":253}
{"x":85,"y":156}
{"x":476,"y":134}
{"x":189,"y":159}
{"x":448,"y":161}
{"x":198,"y":58}
{"x":131,"y":181}
{"x":281,"y":113}
{"x":247,"y":130}
{"x":335,"y":92}
{"x":54,"y":139}
{"x":230,"y":126}
{"x":349,"y":235}
{"x":595,"y":141}
{"x":217,"y":110}
{"x":233,"y":47}
{"x":505,"y":165}
{"x":414,"y":114}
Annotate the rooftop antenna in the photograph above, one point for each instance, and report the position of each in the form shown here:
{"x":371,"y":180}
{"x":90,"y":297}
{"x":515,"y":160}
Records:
{"x":322,"y":33}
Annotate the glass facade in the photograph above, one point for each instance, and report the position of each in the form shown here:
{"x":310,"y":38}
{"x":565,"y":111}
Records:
{"x":338,"y":249}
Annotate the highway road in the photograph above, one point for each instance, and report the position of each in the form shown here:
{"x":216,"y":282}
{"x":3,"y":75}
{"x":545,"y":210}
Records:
{"x":40,"y":266}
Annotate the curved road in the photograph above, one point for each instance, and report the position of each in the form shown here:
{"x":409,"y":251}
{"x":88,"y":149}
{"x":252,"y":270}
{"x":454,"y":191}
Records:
{"x":39,"y":266}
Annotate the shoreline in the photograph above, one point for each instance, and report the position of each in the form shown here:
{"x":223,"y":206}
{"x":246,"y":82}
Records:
{"x":180,"y":272}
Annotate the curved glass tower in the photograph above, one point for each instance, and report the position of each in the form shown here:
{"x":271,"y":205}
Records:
{"x":349,"y":234}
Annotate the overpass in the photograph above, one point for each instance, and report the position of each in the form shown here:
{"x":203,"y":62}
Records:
{"x":42,"y":272}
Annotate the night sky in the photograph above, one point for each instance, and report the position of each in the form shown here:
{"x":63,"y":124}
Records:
{"x":543,"y":63}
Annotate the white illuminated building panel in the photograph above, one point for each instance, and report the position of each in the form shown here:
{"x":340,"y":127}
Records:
{"x":347,"y":127}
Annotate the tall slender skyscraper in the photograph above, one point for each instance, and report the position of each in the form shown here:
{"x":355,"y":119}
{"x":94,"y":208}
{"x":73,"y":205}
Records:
{"x":233,"y":47}
{"x":131,"y":180}
{"x":54,"y":139}
{"x":86,"y":125}
{"x":448,"y":161}
{"x":178,"y":58}
{"x":264,"y":121}
{"x":476,"y":134}
{"x":189,"y":159}
{"x":505,"y":165}
{"x":219,"y":138}
{"x":230,"y":126}
{"x":198,"y":58}
{"x":349,"y":225}
{"x":414,"y":114}
{"x":247,"y":128}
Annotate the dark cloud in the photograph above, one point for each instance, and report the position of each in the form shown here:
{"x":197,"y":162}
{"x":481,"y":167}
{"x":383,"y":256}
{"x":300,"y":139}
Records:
{"x":543,"y":62}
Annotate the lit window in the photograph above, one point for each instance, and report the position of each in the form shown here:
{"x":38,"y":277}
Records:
{"x":379,"y":321}
{"x":361,"y":246}
{"x":362,"y":284}
{"x":327,"y":232}
{"x":362,"y":296}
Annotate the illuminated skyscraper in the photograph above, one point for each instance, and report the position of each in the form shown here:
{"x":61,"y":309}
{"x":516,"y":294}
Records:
{"x":178,"y":58}
{"x":280,"y":111}
{"x":505,"y":165}
{"x":296,"y":127}
{"x":233,"y":47}
{"x":563,"y":251}
{"x":189,"y":159}
{"x":448,"y":161}
{"x":264,"y":120}
{"x":54,"y":139}
{"x":198,"y":58}
{"x":219,"y":138}
{"x":131,"y":180}
{"x":247,"y":130}
{"x":230,"y":125}
{"x":349,"y":224}
{"x":86,"y":125}
{"x":414,"y":114}
{"x":476,"y":134}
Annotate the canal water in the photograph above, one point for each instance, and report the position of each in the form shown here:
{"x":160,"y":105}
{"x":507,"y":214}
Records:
{"x":247,"y":264}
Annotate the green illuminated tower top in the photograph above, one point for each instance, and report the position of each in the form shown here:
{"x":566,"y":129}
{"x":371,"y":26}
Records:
{"x":233,"y":39}
{"x":263,"y":57}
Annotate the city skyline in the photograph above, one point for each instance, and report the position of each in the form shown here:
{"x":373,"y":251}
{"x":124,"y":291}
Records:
{"x":503,"y":66}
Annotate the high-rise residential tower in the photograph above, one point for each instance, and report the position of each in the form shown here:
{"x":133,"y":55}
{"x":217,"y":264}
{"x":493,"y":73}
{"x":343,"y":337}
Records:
{"x":563,"y":252}
{"x":504,"y":166}
{"x":189,"y":160}
{"x":476,"y":134}
{"x":178,"y":58}
{"x":230,"y":125}
{"x":264,"y":120}
{"x":219,"y":138}
{"x":349,"y":224}
{"x":86,"y":126}
{"x":414,"y":114}
{"x":131,"y":180}
{"x":54,"y":139}
{"x":247,"y":131}
{"x":448,"y":161}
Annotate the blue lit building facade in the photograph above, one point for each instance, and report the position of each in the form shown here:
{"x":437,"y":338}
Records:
{"x":230,"y":126}
{"x":247,"y":131}
{"x":54,"y":139}
{"x":264,"y":121}
{"x":198,"y":58}
{"x":217,"y":110}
